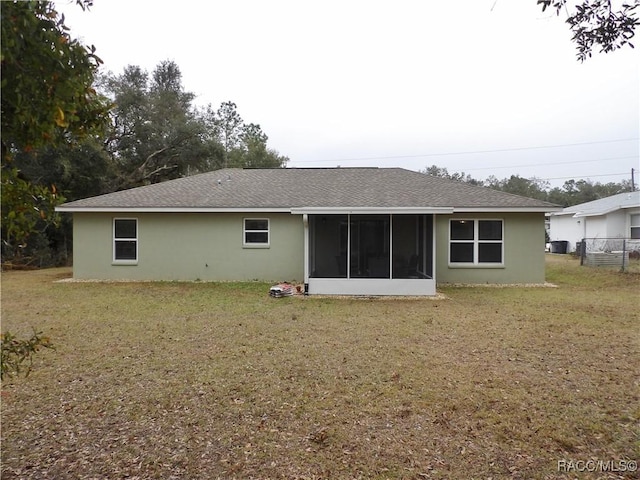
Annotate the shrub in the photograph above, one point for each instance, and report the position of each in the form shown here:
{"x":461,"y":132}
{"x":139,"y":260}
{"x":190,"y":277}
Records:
{"x":14,"y":353}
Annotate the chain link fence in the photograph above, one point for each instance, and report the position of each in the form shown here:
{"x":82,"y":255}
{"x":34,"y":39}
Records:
{"x":612,"y":252}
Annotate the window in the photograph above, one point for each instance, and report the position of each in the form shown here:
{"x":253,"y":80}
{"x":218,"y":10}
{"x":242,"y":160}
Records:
{"x":635,"y":226}
{"x":256,"y":232}
{"x":476,"y":242}
{"x":125,"y":240}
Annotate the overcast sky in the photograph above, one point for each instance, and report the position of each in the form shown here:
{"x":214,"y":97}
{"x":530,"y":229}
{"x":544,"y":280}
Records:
{"x":488,"y":87}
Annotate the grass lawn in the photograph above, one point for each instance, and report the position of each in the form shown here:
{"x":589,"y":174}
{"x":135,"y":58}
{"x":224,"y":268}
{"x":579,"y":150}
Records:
{"x":202,"y":380}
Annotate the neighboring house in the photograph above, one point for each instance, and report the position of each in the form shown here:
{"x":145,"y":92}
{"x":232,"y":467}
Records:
{"x":356,"y":231}
{"x":617,"y":216}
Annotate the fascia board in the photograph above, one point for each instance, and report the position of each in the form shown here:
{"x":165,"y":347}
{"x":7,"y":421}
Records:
{"x":62,"y":208}
{"x":309,"y":210}
{"x":370,"y":210}
{"x":507,"y":209}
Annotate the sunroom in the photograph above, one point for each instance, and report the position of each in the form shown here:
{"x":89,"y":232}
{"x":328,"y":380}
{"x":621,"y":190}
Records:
{"x":369,"y":253}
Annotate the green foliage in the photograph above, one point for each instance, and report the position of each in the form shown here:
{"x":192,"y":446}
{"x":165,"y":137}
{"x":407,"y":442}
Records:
{"x":27,"y":210}
{"x":436,"y":171}
{"x":573,"y":192}
{"x":227,"y":127}
{"x":47,"y":100}
{"x":78,"y":171}
{"x":595,"y":23}
{"x":527,"y":187}
{"x":59,"y":134}
{"x":47,"y":79}
{"x":245,"y":145}
{"x":14,"y":353}
{"x":156,"y":133}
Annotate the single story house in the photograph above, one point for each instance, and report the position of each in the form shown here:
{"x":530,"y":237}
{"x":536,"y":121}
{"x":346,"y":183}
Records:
{"x":617,"y":216}
{"x":354,"y":231}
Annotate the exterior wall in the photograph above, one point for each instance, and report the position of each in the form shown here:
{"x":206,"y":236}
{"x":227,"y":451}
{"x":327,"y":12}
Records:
{"x":612,"y":225}
{"x":595,"y":226}
{"x":189,"y":246}
{"x":524,"y":260}
{"x":209,"y":247}
{"x":617,"y":224}
{"x":565,"y":227}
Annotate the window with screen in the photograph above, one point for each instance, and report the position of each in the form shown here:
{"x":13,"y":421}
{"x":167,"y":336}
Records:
{"x":256,"y":232}
{"x":476,"y":242}
{"x":125,"y":240}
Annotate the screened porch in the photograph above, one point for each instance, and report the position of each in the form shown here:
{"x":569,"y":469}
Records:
{"x":370,"y":254}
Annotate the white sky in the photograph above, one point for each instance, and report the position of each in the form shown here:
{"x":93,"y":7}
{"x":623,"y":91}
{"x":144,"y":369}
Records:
{"x":402,"y":83}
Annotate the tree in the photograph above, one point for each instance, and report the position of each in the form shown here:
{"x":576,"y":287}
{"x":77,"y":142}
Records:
{"x":526,"y":187}
{"x":252,"y":151}
{"x":245,"y":145}
{"x":157,"y":134}
{"x":595,"y":23}
{"x":436,"y":171}
{"x":47,"y":99}
{"x":27,"y":212}
{"x":77,"y":171}
{"x":80,"y":170}
{"x":47,"y":77}
{"x":573,"y":192}
{"x":228,"y":127}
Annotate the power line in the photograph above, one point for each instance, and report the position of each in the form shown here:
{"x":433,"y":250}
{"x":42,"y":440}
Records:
{"x":470,"y":152}
{"x":586,"y":176}
{"x":554,"y":163}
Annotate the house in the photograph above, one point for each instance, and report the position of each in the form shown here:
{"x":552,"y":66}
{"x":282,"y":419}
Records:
{"x":612,"y":217}
{"x":356,"y":231}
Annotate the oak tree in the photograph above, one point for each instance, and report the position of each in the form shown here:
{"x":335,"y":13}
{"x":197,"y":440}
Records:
{"x":157,"y":134}
{"x":596,"y":23}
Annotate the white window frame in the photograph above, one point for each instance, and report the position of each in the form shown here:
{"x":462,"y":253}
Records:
{"x":117,"y":261}
{"x":476,"y":244}
{"x":633,"y":226}
{"x":246,"y":244}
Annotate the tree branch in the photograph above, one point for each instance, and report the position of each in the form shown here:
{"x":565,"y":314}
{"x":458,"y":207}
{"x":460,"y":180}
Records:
{"x":158,"y":170}
{"x":141,"y":168}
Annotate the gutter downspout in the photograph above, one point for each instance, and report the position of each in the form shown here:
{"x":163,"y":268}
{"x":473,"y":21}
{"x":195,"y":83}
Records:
{"x":305,"y":222}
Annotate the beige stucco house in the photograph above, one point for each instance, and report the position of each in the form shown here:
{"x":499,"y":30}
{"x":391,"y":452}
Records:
{"x":358,"y":231}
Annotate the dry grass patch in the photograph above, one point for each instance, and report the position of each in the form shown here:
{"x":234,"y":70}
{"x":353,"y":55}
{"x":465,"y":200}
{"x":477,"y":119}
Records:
{"x":174,"y":380}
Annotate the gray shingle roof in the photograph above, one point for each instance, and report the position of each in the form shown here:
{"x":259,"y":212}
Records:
{"x":310,"y":188}
{"x":605,"y":205}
